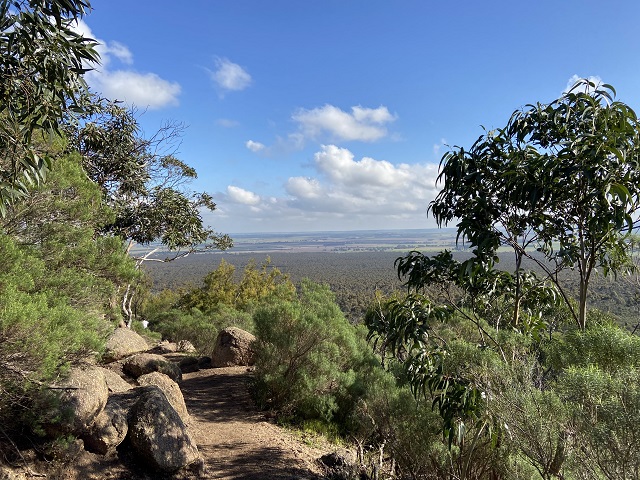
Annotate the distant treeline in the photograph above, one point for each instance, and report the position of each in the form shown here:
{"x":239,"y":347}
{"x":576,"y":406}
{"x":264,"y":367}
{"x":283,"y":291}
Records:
{"x":356,"y":276}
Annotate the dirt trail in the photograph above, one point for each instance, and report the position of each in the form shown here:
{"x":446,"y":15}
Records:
{"x":235,"y":439}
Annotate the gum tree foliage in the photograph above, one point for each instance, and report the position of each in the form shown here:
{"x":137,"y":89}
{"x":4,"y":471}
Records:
{"x":562,"y":178}
{"x":141,"y":179}
{"x":144,"y":183}
{"x":41,"y":68}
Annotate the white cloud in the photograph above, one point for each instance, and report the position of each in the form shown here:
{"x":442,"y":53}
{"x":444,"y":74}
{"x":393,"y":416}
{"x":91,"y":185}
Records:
{"x":365,"y":186}
{"x":364,"y":124}
{"x":338,"y":164}
{"x":242,"y":196}
{"x":344,"y":193}
{"x":254,"y":146}
{"x":302,"y":187}
{"x":146,"y":90}
{"x":230,"y":76}
{"x":328,"y":123}
{"x":574,"y":78}
{"x":120,"y":51}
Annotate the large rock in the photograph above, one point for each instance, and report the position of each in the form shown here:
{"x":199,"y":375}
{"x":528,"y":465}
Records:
{"x":148,"y":362}
{"x":84,"y":395}
{"x":108,"y":430}
{"x":170,"y":389}
{"x":186,"y":346}
{"x":189,"y":364}
{"x":234,"y":347}
{"x":158,"y":434}
{"x":166,"y":347}
{"x":122,"y":343}
{"x":115,"y":383}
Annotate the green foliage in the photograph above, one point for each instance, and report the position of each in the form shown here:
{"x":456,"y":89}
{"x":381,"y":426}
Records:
{"x":563,"y":178}
{"x":141,"y":179}
{"x":42,"y":60}
{"x":602,"y":345}
{"x":58,"y":281}
{"x":201,"y":329}
{"x":58,"y":222}
{"x":255,"y":285}
{"x":40,"y":331}
{"x":198,"y":314}
{"x":307,"y":355}
{"x":605,"y":411}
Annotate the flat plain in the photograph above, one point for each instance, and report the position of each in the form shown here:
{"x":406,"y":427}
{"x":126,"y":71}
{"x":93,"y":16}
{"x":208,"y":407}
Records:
{"x":359,"y":263}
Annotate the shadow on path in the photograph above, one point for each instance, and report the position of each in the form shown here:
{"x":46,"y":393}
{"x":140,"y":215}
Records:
{"x":215,"y":395}
{"x":233,"y":436}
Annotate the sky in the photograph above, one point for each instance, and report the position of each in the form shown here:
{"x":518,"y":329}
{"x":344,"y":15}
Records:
{"x":310,"y":115}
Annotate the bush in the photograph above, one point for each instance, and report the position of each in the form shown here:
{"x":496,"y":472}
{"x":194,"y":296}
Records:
{"x":201,"y":329}
{"x":58,"y":280}
{"x":220,"y":288}
{"x":40,"y":333}
{"x":308,"y":354}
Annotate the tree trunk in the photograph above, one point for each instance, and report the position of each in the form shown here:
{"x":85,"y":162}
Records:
{"x":582,"y":314}
{"x":516,"y":306}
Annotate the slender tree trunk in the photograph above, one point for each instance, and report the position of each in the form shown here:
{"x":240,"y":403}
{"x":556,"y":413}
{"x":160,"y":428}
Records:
{"x":126,"y":306}
{"x":518,"y":298}
{"x":582,"y":318}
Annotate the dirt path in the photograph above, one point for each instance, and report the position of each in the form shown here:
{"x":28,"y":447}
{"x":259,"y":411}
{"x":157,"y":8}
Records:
{"x":235,"y":439}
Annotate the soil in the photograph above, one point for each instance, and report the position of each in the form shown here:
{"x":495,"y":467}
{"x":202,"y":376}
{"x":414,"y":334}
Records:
{"x":235,"y":439}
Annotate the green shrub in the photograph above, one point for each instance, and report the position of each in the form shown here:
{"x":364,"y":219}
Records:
{"x":307,"y":354}
{"x":176,"y":325}
{"x":40,"y":333}
{"x":605,"y":409}
{"x":221,"y":288}
{"x":201,"y":329}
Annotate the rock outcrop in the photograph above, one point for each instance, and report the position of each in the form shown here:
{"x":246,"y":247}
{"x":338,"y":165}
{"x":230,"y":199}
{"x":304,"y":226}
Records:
{"x":158,"y":434}
{"x":234,"y":347}
{"x":170,"y":389}
{"x":84,"y":395}
{"x":115,"y":383}
{"x":143,"y":363}
{"x":122,"y":343}
{"x":186,"y":346}
{"x":108,"y":430}
{"x":102,"y":407}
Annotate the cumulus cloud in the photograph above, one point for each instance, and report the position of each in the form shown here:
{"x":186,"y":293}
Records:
{"x":574,"y":78}
{"x":134,"y":88}
{"x":342,"y":193}
{"x":242,"y":196}
{"x":364,"y":124}
{"x":146,"y":90}
{"x":329,"y":123}
{"x":254,"y":146}
{"x":302,"y":187}
{"x":230,"y":76}
{"x":365,"y":186}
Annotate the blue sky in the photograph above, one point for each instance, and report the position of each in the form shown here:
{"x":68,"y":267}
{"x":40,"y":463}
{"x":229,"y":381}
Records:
{"x":333,"y":115}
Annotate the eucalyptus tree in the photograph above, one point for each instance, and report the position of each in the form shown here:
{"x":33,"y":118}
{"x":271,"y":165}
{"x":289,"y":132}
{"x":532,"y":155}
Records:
{"x":144,"y":183}
{"x":42,"y":62}
{"x":560,"y":186}
{"x":561,"y":178}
